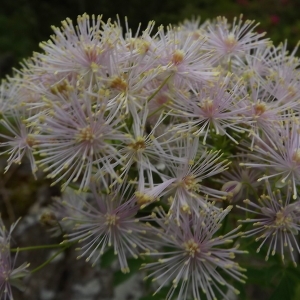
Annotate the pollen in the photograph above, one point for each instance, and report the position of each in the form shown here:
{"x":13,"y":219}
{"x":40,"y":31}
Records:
{"x":85,"y":135}
{"x":138,"y":145}
{"x":30,"y":141}
{"x":178,"y":56}
{"x":292,"y":91}
{"x":189,"y":183}
{"x":296,"y":156}
{"x":60,"y":88}
{"x":259,"y":108}
{"x":283,"y":220}
{"x":207,"y":105}
{"x":140,"y":45}
{"x":186,"y":209}
{"x":191,"y":247}
{"x":111,"y":219}
{"x":143,"y":199}
{"x":119,"y":83}
{"x":92,"y":53}
{"x":230,"y":42}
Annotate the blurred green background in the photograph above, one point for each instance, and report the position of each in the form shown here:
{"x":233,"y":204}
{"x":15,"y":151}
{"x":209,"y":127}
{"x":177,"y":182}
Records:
{"x":25,"y":23}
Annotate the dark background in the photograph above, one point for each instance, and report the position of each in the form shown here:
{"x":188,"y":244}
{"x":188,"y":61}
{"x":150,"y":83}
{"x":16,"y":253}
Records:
{"x":25,"y":23}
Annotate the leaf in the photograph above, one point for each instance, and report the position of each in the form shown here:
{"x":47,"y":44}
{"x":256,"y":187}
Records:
{"x":285,"y":288}
{"x":107,"y":258}
{"x":297,"y":292}
{"x":134,"y":265}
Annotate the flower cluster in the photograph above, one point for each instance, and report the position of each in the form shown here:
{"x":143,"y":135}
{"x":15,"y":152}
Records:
{"x":150,"y":135}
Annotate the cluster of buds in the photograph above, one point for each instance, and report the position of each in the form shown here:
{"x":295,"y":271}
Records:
{"x":153,"y":138}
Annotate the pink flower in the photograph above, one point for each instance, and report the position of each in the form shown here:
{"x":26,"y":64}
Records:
{"x":188,"y":191}
{"x":108,"y":221}
{"x":277,"y":221}
{"x":194,"y":255}
{"x":232,"y":40}
{"x":19,"y":138}
{"x":214,"y":107}
{"x":9,"y":274}
{"x":144,"y":150}
{"x":183,"y":56}
{"x":73,"y":139}
{"x":81,"y":51}
{"x":279,"y":155}
{"x":264,"y":111}
{"x":239,"y":181}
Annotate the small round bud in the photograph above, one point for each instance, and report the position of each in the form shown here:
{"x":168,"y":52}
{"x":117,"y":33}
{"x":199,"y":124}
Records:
{"x":232,"y":188}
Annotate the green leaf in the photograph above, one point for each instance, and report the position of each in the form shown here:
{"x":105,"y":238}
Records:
{"x":134,"y":265}
{"x":297,"y":292}
{"x":107,"y":258}
{"x":286,"y":287}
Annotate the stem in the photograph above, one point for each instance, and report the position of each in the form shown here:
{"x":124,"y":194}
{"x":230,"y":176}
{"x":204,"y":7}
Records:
{"x":160,"y":87}
{"x":49,"y":260}
{"x":249,"y":186}
{"x":224,"y":224}
{"x":229,"y":66}
{"x":60,"y":228}
{"x":156,"y":111}
{"x":39,"y":247}
{"x":247,"y":197}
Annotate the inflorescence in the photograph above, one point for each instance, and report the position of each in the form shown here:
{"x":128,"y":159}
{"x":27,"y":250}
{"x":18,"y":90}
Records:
{"x":153,"y":138}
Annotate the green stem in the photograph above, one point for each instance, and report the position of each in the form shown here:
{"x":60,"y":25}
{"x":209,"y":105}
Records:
{"x":249,"y":186}
{"x":156,"y":111}
{"x":39,"y":247}
{"x":49,"y":260}
{"x":160,"y":87}
{"x":229,"y":66}
{"x":224,"y":224}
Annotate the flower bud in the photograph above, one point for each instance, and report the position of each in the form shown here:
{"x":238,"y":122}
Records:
{"x":232,"y":188}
